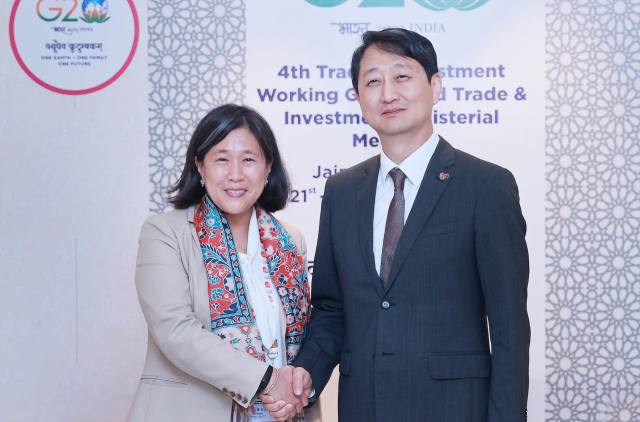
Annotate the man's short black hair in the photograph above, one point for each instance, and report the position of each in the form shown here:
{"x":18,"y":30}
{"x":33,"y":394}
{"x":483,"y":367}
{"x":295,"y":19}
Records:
{"x":400,"y":42}
{"x":211,"y":130}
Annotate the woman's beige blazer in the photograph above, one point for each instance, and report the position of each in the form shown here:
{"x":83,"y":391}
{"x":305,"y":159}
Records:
{"x":190,"y":374}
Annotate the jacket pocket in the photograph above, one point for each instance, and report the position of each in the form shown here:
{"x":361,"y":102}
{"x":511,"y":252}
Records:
{"x":436,"y":229}
{"x":455,"y":366}
{"x":345,"y":363}
{"x":165,"y":381}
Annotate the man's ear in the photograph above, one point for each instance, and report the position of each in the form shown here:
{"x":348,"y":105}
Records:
{"x":436,"y":84}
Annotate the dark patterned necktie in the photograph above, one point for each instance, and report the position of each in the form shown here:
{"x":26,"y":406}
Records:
{"x":395,"y":223}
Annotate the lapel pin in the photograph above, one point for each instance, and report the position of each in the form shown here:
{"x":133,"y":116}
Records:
{"x":443,"y":176}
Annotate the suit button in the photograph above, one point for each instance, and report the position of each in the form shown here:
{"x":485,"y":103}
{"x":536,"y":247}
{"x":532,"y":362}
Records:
{"x":244,"y":400}
{"x":232,"y":394}
{"x":385,"y":304}
{"x":224,"y":390}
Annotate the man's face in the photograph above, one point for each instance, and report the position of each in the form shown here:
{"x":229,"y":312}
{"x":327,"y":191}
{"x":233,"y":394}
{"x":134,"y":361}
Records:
{"x":395,"y":95}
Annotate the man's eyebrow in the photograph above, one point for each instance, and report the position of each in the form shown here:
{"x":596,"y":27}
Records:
{"x":373,"y":69}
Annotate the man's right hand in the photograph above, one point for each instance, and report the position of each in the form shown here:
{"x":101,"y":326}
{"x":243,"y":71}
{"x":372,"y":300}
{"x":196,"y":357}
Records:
{"x":290,"y":394}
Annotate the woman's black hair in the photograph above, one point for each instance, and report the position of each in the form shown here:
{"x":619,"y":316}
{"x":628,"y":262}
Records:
{"x":401,"y":42}
{"x":211,"y":130}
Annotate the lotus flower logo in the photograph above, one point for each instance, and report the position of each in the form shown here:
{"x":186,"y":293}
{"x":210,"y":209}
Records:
{"x":456,"y":4}
{"x":436,"y":5}
{"x":95,"y":11}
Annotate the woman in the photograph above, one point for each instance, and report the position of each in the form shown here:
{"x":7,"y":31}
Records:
{"x":212,"y":278}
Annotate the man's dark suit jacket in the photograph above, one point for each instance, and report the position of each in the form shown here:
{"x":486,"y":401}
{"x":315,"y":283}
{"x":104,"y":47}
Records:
{"x":418,"y":350}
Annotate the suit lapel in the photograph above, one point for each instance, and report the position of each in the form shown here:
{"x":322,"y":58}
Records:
{"x":198,"y":276}
{"x":365,"y":206}
{"x":428,"y":196}
{"x":192,"y":228}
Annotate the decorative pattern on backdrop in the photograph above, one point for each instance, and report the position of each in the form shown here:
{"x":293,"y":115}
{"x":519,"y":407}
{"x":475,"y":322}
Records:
{"x":196,"y":62}
{"x":593,"y":210}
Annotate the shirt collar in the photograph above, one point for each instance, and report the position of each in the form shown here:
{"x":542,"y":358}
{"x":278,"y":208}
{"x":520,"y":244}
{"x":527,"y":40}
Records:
{"x":414,"y":166}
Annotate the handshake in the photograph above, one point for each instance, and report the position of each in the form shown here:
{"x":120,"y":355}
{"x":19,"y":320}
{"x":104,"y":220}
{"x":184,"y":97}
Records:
{"x":287,"y":392}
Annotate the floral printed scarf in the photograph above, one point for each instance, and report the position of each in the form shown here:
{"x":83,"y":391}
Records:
{"x":231,"y":315}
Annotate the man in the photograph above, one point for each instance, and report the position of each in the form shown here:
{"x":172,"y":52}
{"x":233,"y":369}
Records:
{"x":420,"y":250}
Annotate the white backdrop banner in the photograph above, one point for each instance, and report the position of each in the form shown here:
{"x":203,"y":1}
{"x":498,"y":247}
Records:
{"x":99,"y":99}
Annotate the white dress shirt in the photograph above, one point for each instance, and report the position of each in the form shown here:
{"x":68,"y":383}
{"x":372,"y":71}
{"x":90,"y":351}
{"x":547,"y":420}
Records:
{"x":413,"y":167}
{"x":262,"y":296}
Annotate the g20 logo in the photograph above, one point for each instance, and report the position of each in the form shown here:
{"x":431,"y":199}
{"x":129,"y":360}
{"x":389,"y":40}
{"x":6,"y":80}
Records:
{"x":92,"y":10}
{"x":436,"y":5}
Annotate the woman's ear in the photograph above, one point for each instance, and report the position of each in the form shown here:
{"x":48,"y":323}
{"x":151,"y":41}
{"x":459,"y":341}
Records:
{"x":198,"y":165}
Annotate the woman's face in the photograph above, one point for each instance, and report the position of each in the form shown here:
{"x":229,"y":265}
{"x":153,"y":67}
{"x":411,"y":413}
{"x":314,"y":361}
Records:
{"x":234,"y":172}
